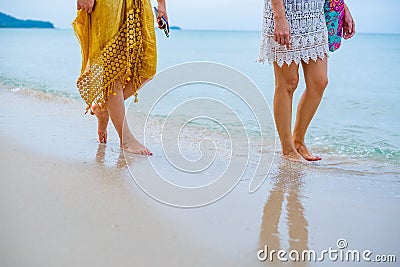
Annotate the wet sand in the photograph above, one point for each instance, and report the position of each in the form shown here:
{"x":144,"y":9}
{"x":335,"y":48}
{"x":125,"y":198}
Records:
{"x":66,"y":200}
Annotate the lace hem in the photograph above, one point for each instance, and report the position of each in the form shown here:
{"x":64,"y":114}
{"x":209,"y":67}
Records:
{"x":303,"y":48}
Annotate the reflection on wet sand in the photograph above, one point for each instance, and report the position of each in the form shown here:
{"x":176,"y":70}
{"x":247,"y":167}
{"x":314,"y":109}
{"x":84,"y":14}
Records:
{"x":110,"y":159}
{"x":287,"y":184}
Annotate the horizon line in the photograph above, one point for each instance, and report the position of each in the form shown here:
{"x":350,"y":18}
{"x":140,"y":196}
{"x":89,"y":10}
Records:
{"x":210,"y":30}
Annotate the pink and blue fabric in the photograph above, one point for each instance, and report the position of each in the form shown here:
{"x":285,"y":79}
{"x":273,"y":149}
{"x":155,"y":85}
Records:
{"x":334,"y":12}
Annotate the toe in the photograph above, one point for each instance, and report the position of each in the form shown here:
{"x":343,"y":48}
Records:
{"x":312,"y":158}
{"x":306,"y":154}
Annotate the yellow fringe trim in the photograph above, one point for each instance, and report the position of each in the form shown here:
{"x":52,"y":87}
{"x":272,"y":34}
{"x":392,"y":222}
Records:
{"x":121,"y":59}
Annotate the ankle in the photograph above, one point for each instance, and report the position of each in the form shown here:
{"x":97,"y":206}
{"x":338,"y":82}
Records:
{"x":298,"y":140}
{"x":127,"y":139}
{"x":124,"y":142}
{"x":288,"y":151}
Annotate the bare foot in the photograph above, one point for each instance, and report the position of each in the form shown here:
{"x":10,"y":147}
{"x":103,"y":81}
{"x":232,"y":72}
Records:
{"x":132,"y":145}
{"x":102,"y":119}
{"x":293,"y":156}
{"x":304,"y":152}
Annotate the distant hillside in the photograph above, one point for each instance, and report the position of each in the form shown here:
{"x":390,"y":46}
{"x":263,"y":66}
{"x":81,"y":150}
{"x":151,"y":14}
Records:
{"x":7,"y":21}
{"x":175,"y":28}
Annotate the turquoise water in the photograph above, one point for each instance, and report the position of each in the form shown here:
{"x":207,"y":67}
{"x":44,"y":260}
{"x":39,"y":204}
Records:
{"x":358,"y":118}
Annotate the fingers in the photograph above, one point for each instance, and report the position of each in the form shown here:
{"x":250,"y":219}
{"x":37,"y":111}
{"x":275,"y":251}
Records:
{"x":287,"y":42}
{"x":283,"y":39}
{"x":160,"y":15}
{"x":353,"y":29}
{"x":349,"y":35}
{"x":159,"y":19}
{"x":349,"y":27}
{"x":91,"y":6}
{"x":349,"y":30}
{"x":345,"y":34}
{"x":159,"y":23}
{"x":85,"y":6}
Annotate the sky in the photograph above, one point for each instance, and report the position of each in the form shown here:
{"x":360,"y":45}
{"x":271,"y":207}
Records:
{"x":370,"y":15}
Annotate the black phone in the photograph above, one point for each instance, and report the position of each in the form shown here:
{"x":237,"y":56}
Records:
{"x":163,"y":22}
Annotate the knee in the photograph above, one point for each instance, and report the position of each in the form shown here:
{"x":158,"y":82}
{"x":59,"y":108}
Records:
{"x":292,"y":84}
{"x":145,"y":80}
{"x":289,"y":85}
{"x":323,"y":83}
{"x":319,"y":86}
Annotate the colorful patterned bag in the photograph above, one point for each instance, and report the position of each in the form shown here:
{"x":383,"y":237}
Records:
{"x":334,"y":13}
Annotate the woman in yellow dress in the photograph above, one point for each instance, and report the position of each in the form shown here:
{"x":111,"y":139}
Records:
{"x":119,"y":55}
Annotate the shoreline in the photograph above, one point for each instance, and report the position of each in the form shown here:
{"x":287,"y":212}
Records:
{"x":73,"y":106}
{"x":67,"y":200}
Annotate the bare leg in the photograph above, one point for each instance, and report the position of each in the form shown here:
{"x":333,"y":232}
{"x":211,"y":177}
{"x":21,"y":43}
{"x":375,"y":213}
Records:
{"x":286,"y":80}
{"x":128,"y":91}
{"x":316,"y":77}
{"x":102,"y":122}
{"x":103,"y":116}
{"x":116,"y":109}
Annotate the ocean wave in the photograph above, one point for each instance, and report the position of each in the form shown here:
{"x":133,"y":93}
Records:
{"x":333,"y":144}
{"x":381,"y":150}
{"x":38,"y":90}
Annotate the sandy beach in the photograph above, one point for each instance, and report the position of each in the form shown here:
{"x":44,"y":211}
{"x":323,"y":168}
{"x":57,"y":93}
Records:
{"x":66,"y":200}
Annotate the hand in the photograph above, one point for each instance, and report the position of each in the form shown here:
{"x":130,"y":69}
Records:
{"x":162,"y":12}
{"x":85,"y":5}
{"x":282,"y":31}
{"x":349,"y":27}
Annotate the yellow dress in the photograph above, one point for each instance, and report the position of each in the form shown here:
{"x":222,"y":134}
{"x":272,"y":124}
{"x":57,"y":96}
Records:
{"x":118,"y":44}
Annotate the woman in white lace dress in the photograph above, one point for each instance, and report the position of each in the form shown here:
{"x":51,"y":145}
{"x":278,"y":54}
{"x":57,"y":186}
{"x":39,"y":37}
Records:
{"x":294,"y":33}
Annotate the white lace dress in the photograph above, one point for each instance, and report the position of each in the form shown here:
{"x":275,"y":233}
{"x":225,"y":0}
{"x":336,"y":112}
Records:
{"x":308,"y":32}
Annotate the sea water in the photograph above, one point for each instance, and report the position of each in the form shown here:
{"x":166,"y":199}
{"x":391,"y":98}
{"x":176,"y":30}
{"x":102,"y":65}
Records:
{"x":357,"y":121}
